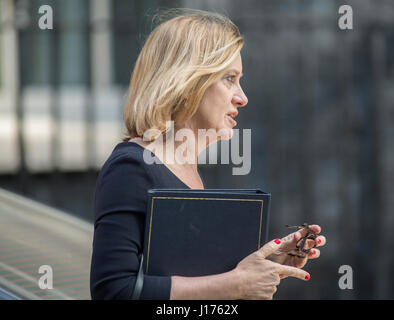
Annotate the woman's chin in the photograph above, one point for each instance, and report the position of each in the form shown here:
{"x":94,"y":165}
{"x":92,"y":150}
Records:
{"x":226,"y":133}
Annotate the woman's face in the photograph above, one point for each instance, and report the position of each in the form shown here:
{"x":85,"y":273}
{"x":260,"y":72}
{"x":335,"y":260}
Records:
{"x":220,"y":103}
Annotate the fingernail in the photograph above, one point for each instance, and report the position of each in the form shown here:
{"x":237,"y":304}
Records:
{"x":313,"y":251}
{"x":307,"y":277}
{"x":318,"y":241}
{"x":277,"y":241}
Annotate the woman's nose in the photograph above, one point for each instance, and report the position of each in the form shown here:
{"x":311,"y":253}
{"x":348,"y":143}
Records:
{"x":240,"y":99}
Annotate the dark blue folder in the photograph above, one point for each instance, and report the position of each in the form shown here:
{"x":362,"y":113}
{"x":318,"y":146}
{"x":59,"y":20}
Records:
{"x":203,"y":232}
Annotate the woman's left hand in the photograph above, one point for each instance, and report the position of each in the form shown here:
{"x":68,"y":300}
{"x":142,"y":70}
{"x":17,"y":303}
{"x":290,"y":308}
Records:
{"x":282,"y":255}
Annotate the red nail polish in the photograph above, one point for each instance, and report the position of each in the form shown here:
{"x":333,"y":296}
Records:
{"x":318,"y":241}
{"x":307,"y":277}
{"x":313,"y":251}
{"x":277,"y":241}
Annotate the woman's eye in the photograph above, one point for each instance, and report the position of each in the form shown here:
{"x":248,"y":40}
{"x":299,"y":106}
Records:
{"x":231,"y":79}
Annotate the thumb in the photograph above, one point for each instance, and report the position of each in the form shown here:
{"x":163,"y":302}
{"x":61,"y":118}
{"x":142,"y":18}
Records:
{"x":269,"y":248}
{"x":289,"y":271}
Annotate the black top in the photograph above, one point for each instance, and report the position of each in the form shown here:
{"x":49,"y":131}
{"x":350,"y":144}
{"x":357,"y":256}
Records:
{"x":119,"y":212}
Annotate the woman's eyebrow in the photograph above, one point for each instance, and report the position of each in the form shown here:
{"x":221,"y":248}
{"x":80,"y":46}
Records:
{"x":236,"y":71}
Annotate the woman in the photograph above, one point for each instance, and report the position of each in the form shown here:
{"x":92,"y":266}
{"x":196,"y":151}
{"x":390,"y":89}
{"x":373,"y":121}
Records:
{"x":188,"y":72}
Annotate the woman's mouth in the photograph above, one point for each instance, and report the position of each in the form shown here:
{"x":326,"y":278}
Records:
{"x":230,"y":116}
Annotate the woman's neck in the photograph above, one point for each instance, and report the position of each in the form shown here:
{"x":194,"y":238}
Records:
{"x":173,"y":152}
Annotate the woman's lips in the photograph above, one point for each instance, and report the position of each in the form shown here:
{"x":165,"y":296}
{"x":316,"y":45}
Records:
{"x":233,"y":122}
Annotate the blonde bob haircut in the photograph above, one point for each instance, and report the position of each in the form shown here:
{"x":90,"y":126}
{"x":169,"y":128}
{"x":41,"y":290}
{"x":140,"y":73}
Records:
{"x":179,"y":60}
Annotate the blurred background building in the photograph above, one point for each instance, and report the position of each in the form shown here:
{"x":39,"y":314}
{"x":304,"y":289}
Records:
{"x":321,"y":111}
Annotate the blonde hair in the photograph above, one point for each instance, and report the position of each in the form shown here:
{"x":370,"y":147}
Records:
{"x":180,"y":59}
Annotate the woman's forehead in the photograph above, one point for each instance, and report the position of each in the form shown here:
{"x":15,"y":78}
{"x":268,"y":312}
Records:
{"x":236,"y":65}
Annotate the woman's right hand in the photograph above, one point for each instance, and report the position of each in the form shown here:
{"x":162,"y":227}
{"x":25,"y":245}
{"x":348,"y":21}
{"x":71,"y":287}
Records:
{"x":259,"y":277}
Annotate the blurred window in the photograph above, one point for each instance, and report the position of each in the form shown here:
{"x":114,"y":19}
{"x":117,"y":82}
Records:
{"x":125,"y":26}
{"x":131,"y":24}
{"x":73,"y":40}
{"x":54,"y":56}
{"x":35,"y":45}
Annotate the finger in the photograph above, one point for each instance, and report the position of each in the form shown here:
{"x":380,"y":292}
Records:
{"x":297,"y":235}
{"x":313,"y":254}
{"x":289,"y":242}
{"x":320,"y":241}
{"x":294,"y":272}
{"x":316,"y":229}
{"x":309,"y":244}
{"x":270,"y":247}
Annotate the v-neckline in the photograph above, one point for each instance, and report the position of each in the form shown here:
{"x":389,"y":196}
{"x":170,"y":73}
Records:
{"x":168,"y":169}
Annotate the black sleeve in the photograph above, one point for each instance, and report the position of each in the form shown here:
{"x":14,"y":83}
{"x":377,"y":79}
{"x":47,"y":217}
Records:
{"x":120,"y":203}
